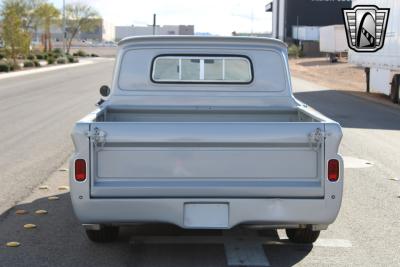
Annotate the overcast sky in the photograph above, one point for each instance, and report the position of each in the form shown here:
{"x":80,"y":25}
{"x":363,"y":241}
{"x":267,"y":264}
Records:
{"x":214,"y":16}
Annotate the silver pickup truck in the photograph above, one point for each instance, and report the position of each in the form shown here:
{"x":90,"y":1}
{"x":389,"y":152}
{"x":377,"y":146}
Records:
{"x":204,"y":133}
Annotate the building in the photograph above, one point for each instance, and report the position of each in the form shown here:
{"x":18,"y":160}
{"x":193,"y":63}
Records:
{"x":103,"y":31}
{"x":126,"y":31}
{"x":287,"y":14}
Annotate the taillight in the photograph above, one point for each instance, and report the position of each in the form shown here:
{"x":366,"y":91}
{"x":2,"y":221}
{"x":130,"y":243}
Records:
{"x":333,"y":170}
{"x":80,"y":170}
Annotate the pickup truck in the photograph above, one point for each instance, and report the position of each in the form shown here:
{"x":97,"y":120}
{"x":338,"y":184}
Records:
{"x":205,"y":133}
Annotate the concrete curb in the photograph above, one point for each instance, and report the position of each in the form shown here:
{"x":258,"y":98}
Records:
{"x":44,"y":69}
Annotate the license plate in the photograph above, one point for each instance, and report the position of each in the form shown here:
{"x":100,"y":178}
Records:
{"x":206,"y":215}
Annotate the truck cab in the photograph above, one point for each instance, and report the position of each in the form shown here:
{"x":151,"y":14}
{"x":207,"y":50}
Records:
{"x":205,"y":133}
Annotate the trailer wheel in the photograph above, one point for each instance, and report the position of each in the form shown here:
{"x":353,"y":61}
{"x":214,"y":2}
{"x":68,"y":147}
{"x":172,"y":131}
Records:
{"x":394,"y":94}
{"x":106,"y":234}
{"x":333,"y":58}
{"x":302,"y":236}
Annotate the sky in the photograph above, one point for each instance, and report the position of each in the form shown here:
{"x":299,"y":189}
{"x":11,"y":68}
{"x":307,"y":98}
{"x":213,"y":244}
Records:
{"x":220,"y":17}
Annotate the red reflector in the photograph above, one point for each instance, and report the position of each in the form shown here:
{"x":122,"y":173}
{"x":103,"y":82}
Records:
{"x":333,"y":170}
{"x":80,"y":170}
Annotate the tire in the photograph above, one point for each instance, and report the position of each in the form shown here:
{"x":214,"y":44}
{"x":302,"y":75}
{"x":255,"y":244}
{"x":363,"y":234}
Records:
{"x":302,"y":236}
{"x":105,"y":235}
{"x":394,"y":94}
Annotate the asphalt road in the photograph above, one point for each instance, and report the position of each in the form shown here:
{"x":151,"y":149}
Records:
{"x":37,"y":115}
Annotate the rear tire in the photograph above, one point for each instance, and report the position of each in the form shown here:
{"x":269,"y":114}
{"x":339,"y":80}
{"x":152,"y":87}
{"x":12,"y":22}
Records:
{"x":106,"y":234}
{"x":302,"y":236}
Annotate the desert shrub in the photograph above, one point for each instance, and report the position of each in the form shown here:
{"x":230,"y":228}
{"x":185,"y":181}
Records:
{"x":50,"y":60}
{"x":82,"y":53}
{"x":94,"y":55}
{"x":40,"y":56}
{"x":36,"y":63}
{"x":28,"y":64}
{"x":31,"y":57}
{"x":294,"y":51}
{"x":14,"y":67}
{"x":70,"y":59}
{"x":57,"y":51}
{"x":61,"y":60}
{"x":4,"y":67}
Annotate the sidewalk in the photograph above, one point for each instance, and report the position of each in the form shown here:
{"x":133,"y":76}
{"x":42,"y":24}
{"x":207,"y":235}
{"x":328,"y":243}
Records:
{"x":82,"y":62}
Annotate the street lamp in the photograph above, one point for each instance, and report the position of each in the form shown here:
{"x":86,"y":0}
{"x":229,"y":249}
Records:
{"x":63,"y":27}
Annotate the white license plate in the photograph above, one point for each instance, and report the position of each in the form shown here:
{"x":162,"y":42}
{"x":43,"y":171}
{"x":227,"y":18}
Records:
{"x":206,"y":215}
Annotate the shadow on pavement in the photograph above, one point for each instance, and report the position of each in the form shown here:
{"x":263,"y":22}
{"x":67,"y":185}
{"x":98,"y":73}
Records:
{"x":59,"y":240}
{"x":352,"y":111}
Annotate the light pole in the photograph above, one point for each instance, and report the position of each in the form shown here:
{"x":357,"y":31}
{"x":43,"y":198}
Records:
{"x":63,"y":27}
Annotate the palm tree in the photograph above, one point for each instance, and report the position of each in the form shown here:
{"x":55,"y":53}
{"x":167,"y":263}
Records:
{"x":47,"y":13}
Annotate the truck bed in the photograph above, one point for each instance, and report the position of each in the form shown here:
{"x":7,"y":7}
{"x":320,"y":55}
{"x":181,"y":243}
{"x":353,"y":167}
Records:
{"x":143,"y":152}
{"x":124,"y":114}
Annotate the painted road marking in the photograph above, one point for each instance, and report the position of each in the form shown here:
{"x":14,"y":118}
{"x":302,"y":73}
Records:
{"x":243,"y":247}
{"x":356,"y":163}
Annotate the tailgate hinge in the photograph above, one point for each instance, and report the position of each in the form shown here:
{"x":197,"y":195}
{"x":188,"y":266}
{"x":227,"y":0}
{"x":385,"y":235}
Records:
{"x":97,"y":137}
{"x":316,"y":138}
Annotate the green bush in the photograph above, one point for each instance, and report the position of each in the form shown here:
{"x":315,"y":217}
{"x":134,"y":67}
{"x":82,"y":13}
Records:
{"x":294,"y":51}
{"x":31,"y":57}
{"x":75,"y":54}
{"x":4,"y":67}
{"x":82,"y":53}
{"x":40,"y":56}
{"x":2,"y":55}
{"x":28,"y":64}
{"x":61,"y":60}
{"x":14,"y":67}
{"x":94,"y":55}
{"x":50,"y":60}
{"x":57,"y":51}
{"x":70,"y":59}
{"x":36,"y":63}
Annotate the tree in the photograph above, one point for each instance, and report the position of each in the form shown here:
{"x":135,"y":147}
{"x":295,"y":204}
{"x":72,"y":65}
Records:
{"x":46,"y":14}
{"x":80,"y":17}
{"x":25,"y":10}
{"x":16,"y":41}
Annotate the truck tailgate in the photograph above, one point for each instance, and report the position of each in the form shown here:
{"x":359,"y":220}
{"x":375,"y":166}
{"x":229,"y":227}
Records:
{"x":206,"y":159}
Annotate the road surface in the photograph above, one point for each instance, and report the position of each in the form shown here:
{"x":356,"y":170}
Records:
{"x":38,"y":113}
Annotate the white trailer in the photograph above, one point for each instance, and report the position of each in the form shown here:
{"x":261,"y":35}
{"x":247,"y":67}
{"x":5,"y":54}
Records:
{"x":383,"y":67}
{"x":332,"y":40}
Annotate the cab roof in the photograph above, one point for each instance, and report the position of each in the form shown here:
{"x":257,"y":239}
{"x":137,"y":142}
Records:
{"x":235,"y":40}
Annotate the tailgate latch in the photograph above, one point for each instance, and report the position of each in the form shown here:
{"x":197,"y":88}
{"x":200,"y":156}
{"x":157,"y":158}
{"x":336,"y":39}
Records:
{"x":316,"y":138}
{"x":97,"y":137}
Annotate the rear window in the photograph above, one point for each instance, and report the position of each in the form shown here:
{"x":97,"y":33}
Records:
{"x":201,"y":69}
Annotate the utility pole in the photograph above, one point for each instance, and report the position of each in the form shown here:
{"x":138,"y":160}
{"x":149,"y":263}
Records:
{"x":154,"y":24}
{"x":63,"y":28}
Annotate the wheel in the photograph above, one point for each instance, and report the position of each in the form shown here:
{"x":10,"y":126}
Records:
{"x":104,"y":235}
{"x":302,"y":236}
{"x":394,"y":94}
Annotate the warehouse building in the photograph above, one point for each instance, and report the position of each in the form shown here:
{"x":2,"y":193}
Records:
{"x":288,"y":16}
{"x":126,"y":31}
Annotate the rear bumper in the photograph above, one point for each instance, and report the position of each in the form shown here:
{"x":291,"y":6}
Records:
{"x":241,"y":211}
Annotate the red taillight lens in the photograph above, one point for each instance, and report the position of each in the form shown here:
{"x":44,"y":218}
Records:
{"x":80,"y":170}
{"x":333,"y":170}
